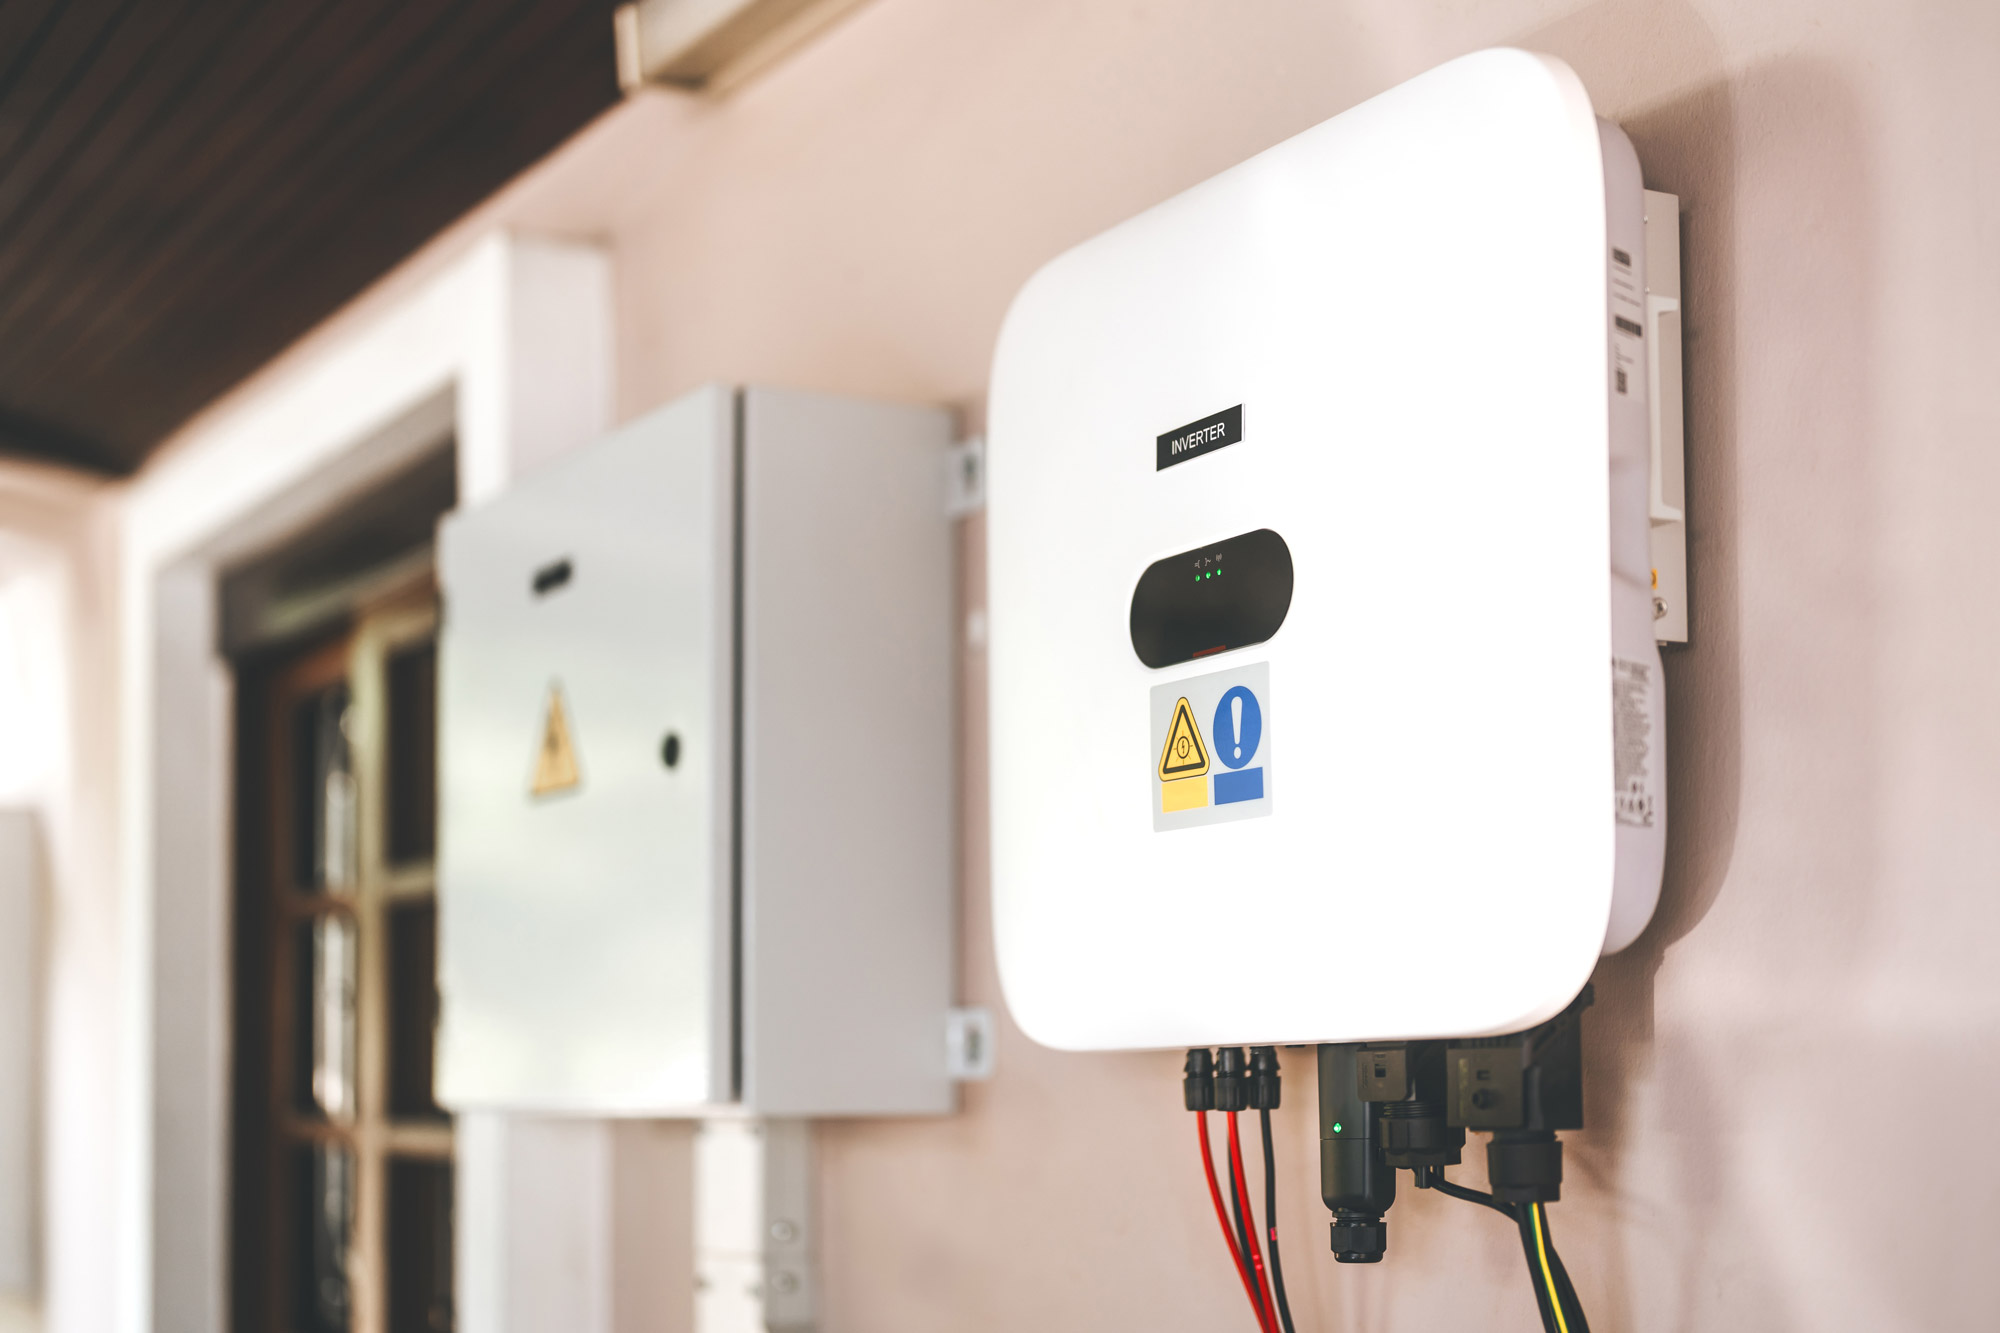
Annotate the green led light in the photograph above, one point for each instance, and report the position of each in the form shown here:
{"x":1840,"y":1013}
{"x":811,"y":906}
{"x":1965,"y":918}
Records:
{"x":1336,"y":1127}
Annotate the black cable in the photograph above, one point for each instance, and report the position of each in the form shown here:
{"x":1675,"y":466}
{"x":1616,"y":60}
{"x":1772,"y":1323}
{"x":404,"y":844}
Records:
{"x":1544,"y":1298}
{"x":1571,"y":1318}
{"x":1572,"y":1308}
{"x":1443,"y":1186}
{"x":1525,"y":1223}
{"x":1271,"y":1219}
{"x":1565,"y":1292}
{"x":1526,"y":1226}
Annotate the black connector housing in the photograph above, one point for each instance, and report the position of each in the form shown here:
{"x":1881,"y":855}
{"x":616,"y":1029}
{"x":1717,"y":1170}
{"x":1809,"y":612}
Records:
{"x":1407,"y":1105}
{"x":1232,"y":1079}
{"x":1264,"y":1080}
{"x":1525,"y":1166}
{"x":1407,"y":1085}
{"x":1355,"y":1183}
{"x":1525,"y":1080}
{"x":1198,"y":1084}
{"x":1523,"y":1087}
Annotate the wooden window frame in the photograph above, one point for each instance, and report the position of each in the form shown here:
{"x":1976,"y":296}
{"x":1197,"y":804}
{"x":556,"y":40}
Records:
{"x":271,"y":906}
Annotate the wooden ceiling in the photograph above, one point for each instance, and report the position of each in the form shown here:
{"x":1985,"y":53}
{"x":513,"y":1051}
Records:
{"x":186,"y":186}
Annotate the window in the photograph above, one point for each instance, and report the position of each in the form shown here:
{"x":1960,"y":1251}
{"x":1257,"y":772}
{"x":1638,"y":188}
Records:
{"x":343,"y":1196}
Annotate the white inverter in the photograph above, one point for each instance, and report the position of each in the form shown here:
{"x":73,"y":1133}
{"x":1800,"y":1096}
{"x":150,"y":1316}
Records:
{"x":1337,"y":459}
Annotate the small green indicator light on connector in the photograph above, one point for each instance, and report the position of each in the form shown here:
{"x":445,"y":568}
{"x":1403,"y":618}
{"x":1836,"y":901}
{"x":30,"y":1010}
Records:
{"x":1336,"y":1127}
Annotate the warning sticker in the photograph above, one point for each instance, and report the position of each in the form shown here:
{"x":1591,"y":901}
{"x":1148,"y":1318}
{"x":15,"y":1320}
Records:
{"x":1628,"y":309}
{"x":555,"y":759}
{"x":1211,"y":748}
{"x":1183,"y":763}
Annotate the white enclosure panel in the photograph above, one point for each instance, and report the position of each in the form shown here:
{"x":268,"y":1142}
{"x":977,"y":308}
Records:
{"x":583,"y":956}
{"x":1638,"y":679}
{"x":847,"y":744}
{"x":1667,"y":489}
{"x":20,"y":1082}
{"x":1409,"y":304}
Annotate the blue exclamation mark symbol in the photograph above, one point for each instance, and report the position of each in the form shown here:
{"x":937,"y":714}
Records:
{"x":1239,"y":726}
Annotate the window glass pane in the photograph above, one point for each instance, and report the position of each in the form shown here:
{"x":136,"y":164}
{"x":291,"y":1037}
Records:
{"x":420,"y":1257}
{"x":324,"y":820}
{"x":413,"y":1008}
{"x":327,"y":971}
{"x":412,"y":776}
{"x":322,"y":1230}
{"x":305,"y":793}
{"x":333,"y":1015}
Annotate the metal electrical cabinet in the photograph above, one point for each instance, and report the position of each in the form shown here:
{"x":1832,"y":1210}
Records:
{"x":696,"y":768}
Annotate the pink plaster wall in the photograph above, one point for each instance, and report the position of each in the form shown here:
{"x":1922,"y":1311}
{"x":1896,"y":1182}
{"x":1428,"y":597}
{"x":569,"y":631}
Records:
{"x":1830,"y":930}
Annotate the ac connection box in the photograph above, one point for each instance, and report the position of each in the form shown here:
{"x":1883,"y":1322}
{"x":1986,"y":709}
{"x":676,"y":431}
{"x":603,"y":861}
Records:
{"x":697,"y":769}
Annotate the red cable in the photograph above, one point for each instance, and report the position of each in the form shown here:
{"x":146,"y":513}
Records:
{"x":1228,"y":1232}
{"x":1250,"y":1226}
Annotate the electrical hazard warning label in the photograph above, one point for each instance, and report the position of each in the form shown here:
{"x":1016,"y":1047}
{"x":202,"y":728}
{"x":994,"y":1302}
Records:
{"x":556,"y":768}
{"x":1212,"y":748}
{"x":1183,"y":763}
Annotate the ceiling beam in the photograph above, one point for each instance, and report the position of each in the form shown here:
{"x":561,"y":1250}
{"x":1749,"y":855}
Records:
{"x":24,"y":435}
{"x":714,"y":45}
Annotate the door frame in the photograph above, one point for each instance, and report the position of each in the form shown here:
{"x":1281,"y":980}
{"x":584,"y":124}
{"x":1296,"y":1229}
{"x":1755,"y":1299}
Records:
{"x":507,"y":352}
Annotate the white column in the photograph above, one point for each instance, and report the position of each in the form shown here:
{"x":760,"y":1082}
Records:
{"x":535,"y":1199}
{"x":534,"y":1215}
{"x":537,"y":375}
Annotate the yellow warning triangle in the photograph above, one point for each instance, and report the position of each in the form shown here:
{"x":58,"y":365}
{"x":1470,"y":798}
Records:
{"x":1184,"y":756}
{"x":555,"y":762}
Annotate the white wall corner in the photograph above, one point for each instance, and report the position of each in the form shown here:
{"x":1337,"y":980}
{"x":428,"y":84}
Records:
{"x":191,"y":965}
{"x":537,"y":380}
{"x":21,"y":977}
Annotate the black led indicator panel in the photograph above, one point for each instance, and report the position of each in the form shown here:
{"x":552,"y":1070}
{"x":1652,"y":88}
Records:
{"x":1207,"y":601}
